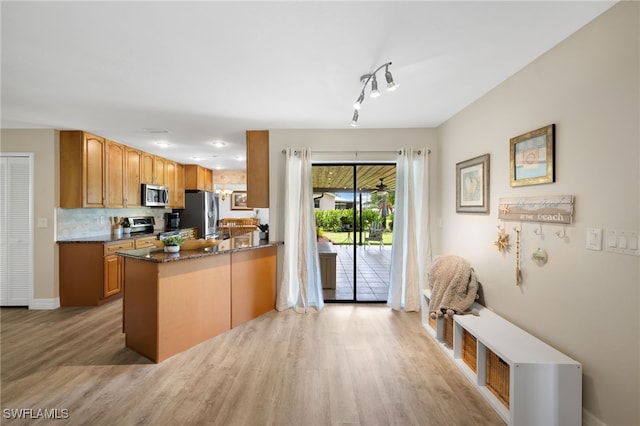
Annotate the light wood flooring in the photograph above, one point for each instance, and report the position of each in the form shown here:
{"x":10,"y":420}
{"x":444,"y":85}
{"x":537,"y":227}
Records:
{"x":345,"y":365}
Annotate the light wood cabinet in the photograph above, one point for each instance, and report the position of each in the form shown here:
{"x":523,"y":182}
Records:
{"x":147,"y":170}
{"x":112,"y":275}
{"x":159,"y":170}
{"x":178,"y":196}
{"x":133,"y":166}
{"x":170,"y":174}
{"x":198,"y":178}
{"x":115,"y":178}
{"x":145,"y":242}
{"x":82,"y":173}
{"x":113,"y":267}
{"x":96,"y":172}
{"x":258,"y":168}
{"x":91,"y":273}
{"x":208,"y":180}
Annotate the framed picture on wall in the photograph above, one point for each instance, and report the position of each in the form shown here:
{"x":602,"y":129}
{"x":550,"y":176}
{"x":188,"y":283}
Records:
{"x":239,"y":200}
{"x":532,"y":157}
{"x":472,"y":185}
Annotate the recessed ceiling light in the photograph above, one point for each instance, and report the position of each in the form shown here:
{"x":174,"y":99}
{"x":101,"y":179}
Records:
{"x":240,"y":158}
{"x":196,"y":158}
{"x":155,"y":131}
{"x":219,"y":144}
{"x":163,"y":144}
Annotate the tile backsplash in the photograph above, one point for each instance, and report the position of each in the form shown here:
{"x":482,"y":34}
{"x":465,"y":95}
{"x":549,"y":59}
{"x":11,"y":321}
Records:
{"x":80,"y":223}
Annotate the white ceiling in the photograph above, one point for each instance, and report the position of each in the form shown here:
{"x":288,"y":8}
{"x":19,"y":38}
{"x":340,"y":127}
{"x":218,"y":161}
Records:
{"x":208,"y":71}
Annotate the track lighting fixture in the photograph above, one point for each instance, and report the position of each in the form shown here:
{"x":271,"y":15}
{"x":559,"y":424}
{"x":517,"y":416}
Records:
{"x":374,"y":92}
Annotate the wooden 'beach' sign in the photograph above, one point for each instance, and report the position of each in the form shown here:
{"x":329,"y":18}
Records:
{"x":547,"y":209}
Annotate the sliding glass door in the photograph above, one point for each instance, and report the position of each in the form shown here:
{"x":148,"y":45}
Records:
{"x":354,"y":223}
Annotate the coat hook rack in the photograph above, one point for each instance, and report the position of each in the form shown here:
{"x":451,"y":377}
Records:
{"x":539,"y":230}
{"x":562,"y":233}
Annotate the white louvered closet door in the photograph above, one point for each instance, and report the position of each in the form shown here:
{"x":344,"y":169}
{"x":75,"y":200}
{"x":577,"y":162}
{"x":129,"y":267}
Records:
{"x":16,"y":265}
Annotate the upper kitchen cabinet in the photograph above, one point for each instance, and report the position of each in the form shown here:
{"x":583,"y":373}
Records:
{"x":258,"y":168}
{"x":160,"y":171}
{"x":133,"y":167}
{"x":147,"y":162}
{"x":82,"y":162}
{"x":174,"y":175}
{"x":177,"y":197}
{"x":198,"y":178}
{"x":97,"y":172}
{"x":115,"y":177}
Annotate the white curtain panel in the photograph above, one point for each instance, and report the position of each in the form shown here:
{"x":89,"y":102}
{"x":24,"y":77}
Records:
{"x":301,"y":286}
{"x":411,"y":247}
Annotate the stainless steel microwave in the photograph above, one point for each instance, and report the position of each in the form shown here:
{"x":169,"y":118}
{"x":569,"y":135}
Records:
{"x":155,"y":195}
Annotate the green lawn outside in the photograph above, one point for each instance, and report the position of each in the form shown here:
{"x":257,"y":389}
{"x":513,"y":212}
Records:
{"x":340,"y":237}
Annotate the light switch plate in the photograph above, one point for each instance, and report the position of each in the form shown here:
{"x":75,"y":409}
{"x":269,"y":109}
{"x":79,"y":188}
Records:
{"x":623,"y":242}
{"x":594,"y":238}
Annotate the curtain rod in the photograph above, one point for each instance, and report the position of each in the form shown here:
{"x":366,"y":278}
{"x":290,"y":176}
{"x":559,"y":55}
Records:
{"x":399,"y":151}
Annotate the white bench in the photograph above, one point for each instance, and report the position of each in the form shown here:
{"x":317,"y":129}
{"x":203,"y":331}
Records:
{"x":541,"y":386}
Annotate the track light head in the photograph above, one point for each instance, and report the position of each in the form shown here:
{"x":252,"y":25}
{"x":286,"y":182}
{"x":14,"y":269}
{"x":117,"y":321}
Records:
{"x":391,"y":86}
{"x":354,"y":120}
{"x":374,"y":88}
{"x":357,"y":104}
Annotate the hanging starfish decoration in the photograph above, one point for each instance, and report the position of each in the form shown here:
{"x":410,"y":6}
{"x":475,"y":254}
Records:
{"x":502,"y":242}
{"x":505,"y":209}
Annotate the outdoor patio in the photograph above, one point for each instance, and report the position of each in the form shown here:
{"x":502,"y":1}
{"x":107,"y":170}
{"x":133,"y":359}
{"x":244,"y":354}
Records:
{"x":372,"y":277}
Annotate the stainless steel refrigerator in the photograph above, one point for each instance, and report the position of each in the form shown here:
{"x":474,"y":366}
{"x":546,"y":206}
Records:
{"x":201,"y":211}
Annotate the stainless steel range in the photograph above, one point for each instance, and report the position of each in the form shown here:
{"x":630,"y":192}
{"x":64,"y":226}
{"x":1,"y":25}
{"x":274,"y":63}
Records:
{"x":142,"y":224}
{"x":145,"y":225}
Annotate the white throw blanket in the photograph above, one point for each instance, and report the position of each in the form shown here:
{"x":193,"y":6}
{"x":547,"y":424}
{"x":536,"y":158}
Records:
{"x":453,"y":285}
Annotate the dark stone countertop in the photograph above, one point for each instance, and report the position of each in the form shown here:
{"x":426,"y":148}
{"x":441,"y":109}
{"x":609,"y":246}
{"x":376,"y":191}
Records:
{"x":242,"y":242}
{"x":110,"y":238}
{"x":107,"y":238}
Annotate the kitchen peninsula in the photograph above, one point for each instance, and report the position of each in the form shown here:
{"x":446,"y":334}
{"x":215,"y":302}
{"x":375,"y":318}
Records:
{"x":173,"y":301}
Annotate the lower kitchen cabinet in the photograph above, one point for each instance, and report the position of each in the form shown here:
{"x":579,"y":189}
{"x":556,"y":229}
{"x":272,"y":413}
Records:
{"x":112,"y":283}
{"x":91,"y":273}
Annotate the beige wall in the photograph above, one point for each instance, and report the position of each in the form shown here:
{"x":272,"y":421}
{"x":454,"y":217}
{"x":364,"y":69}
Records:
{"x":585,"y":303}
{"x":44,"y":146}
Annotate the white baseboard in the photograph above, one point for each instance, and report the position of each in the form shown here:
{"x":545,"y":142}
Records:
{"x":52,"y":303}
{"x":589,"y":419}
